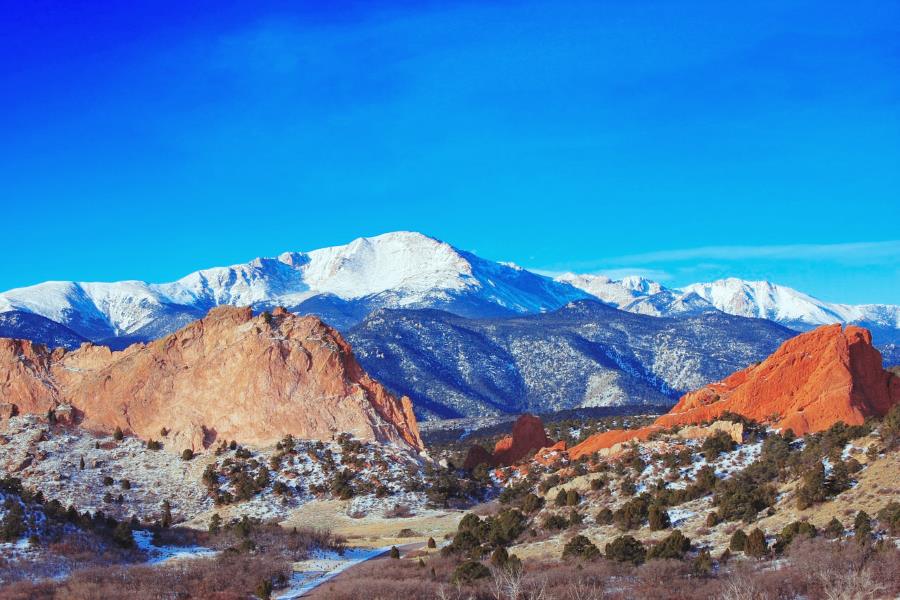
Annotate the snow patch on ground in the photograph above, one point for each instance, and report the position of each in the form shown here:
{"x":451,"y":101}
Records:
{"x":324,"y":566}
{"x":160,"y":554}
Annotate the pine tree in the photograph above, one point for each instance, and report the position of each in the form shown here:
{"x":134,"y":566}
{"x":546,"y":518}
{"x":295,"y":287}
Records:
{"x":118,"y":435}
{"x":395,"y":552}
{"x":81,"y":463}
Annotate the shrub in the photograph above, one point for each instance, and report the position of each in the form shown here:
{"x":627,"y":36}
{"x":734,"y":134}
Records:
{"x":596,"y":484}
{"x":604,"y":517}
{"x":118,"y":435}
{"x":627,"y":487}
{"x":626,"y":549}
{"x":702,"y":565}
{"x":741,"y":497}
{"x":756,"y":544}
{"x":215,"y":524}
{"x":890,"y":427}
{"x":632,"y":514}
{"x":839,"y":478}
{"x":791,"y":531}
{"x":555,"y":522}
{"x":469,"y":571}
{"x":166,"y":520}
{"x":187,"y":454}
{"x":572,"y":498}
{"x":581,"y":548}
{"x":712,"y":519}
{"x":432,"y":543}
{"x":889,"y":516}
{"x":674,"y":546}
{"x":738,"y":541}
{"x":154,"y":445}
{"x":834,"y":529}
{"x":125,"y":484}
{"x":264,"y":589}
{"x":561,"y":498}
{"x":862,"y":527}
{"x":532,"y":503}
{"x":12,"y":526}
{"x":107,"y":480}
{"x":658,"y":517}
{"x":716,"y":444}
{"x":395,"y":552}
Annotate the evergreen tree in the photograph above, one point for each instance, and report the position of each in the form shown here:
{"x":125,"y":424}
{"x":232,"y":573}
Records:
{"x":215,"y":524}
{"x":834,"y":529}
{"x":738,"y":541}
{"x":756,"y":544}
{"x":862,"y":527}
{"x":167,"y":514}
{"x":658,"y":517}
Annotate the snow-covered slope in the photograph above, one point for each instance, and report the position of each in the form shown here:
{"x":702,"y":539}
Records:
{"x":755,"y":299}
{"x":782,"y":304}
{"x":585,"y":354}
{"x":342,"y":284}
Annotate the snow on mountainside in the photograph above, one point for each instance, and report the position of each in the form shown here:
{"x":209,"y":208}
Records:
{"x":341,"y":284}
{"x":765,"y":300}
{"x":755,"y":299}
{"x":585,"y":354}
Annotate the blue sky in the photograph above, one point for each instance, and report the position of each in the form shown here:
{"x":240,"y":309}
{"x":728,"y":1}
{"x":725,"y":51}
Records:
{"x":687,"y":141}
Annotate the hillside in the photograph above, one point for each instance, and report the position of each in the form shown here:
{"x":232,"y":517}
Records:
{"x":584,"y":354}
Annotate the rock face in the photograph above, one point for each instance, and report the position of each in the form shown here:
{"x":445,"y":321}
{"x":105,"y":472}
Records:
{"x":527,"y":436}
{"x":228,"y":376}
{"x":812,"y":381}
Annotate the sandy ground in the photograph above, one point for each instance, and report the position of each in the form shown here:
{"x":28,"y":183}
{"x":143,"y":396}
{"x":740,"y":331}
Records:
{"x":373,"y":531}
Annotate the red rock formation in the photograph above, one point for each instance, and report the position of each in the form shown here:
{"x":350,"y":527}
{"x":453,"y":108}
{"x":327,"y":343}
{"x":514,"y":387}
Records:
{"x":227,"y":376}
{"x":812,"y":381}
{"x":527,"y":436}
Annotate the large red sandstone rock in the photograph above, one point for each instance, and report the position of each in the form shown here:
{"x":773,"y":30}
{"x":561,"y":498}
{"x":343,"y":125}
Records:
{"x":527,"y":436}
{"x":227,"y":376}
{"x":812,"y":381}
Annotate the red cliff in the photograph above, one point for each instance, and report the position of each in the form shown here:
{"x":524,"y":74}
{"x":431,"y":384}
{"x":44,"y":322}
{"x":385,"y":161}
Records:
{"x":812,"y":381}
{"x":229,"y":375}
{"x":528,"y":435}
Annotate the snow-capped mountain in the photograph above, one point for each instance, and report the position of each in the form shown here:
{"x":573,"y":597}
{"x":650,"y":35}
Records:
{"x":764,"y":300}
{"x":754,"y":299}
{"x":585,"y":354}
{"x":638,"y":295}
{"x":342,"y":284}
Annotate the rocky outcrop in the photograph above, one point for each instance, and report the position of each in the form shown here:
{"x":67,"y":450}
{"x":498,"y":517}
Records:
{"x":527,"y":436}
{"x":811,"y":382}
{"x":229,"y":376}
